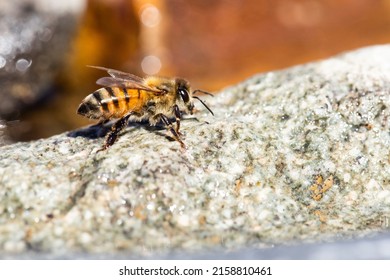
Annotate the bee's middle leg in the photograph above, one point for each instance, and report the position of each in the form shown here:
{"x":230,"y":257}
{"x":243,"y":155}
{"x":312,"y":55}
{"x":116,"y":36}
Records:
{"x":178,"y":118}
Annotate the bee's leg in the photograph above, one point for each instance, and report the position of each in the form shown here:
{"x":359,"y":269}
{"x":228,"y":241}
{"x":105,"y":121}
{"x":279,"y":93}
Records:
{"x":169,"y":124}
{"x":115,"y":129}
{"x":178,"y":118}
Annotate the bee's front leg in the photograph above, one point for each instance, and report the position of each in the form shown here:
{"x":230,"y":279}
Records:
{"x":178,"y":118}
{"x":169,"y":125}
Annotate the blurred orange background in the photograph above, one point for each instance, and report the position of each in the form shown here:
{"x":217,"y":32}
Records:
{"x":212,"y":43}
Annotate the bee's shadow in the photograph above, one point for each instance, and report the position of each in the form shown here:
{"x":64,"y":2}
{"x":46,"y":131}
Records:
{"x":101,"y":130}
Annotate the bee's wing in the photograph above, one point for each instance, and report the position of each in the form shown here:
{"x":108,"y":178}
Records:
{"x":119,"y":74}
{"x":123,"y":80}
{"x":122,"y":83}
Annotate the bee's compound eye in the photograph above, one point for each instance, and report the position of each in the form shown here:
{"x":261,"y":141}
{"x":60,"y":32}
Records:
{"x":184,"y":95}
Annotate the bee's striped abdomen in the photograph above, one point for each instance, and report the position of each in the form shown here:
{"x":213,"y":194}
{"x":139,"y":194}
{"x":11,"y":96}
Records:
{"x":113,"y":99}
{"x":98,"y":98}
{"x":91,"y":106}
{"x":119,"y":100}
{"x":111,"y":102}
{"x":97,"y":105}
{"x":126,"y":95}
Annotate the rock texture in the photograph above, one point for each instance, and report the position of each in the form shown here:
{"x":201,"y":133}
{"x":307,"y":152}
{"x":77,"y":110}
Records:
{"x":299,"y":155}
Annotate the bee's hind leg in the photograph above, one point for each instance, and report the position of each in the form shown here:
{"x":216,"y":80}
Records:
{"x":115,"y":129}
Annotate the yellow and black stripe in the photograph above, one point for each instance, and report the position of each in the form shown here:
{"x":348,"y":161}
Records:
{"x":111,"y":102}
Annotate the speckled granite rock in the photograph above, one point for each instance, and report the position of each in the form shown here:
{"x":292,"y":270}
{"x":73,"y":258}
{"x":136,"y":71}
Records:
{"x":300,"y":155}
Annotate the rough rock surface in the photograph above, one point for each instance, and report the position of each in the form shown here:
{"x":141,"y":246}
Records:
{"x":299,"y":155}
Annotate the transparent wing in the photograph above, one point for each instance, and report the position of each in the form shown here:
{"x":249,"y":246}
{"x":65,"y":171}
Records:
{"x":119,"y":74}
{"x":123,"y":80}
{"x":116,"y":82}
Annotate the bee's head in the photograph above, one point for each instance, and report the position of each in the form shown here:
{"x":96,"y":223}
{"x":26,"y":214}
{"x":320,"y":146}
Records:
{"x":183,"y":92}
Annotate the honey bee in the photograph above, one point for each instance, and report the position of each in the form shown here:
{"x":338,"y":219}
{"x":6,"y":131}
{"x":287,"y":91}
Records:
{"x":126,"y":97}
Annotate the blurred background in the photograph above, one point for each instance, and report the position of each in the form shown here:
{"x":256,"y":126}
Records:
{"x":45,"y":46}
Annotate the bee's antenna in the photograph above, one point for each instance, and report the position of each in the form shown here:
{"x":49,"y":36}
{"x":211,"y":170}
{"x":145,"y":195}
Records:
{"x":204,"y":104}
{"x":202,"y":91}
